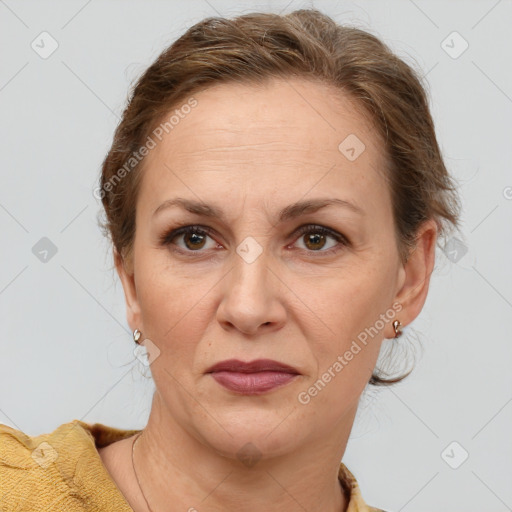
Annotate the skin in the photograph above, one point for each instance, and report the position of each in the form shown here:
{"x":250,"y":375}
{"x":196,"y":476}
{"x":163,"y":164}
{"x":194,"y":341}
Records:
{"x":253,"y":150}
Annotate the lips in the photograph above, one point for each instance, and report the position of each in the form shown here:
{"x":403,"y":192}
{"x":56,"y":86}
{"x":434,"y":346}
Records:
{"x":254,"y":377}
{"x":258,"y":365}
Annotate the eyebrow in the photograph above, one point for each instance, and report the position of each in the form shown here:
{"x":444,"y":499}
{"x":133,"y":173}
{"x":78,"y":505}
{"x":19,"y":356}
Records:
{"x":289,"y":212}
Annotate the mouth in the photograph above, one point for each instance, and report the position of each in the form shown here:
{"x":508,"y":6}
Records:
{"x":258,"y":365}
{"x":254,"y":377}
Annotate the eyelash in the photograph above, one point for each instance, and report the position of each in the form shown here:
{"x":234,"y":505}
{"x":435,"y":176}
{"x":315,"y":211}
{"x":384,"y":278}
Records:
{"x":167,"y":238}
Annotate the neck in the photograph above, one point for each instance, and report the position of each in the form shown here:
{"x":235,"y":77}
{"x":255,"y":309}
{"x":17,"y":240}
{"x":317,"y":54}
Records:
{"x":174,"y":465}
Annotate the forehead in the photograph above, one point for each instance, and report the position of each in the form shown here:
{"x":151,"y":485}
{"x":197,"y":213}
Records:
{"x":295,"y":111}
{"x":285,"y":134}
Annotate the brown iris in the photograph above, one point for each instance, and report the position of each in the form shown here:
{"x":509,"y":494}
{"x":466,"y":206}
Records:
{"x":317,"y":241}
{"x":197,"y":240}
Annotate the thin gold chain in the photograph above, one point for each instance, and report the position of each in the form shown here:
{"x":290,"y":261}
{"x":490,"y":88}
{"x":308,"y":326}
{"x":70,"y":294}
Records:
{"x":133,"y":464}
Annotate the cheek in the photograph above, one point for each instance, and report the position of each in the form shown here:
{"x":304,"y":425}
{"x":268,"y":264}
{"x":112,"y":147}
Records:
{"x":174,"y":307}
{"x":163,"y":300}
{"x":349,"y":309}
{"x":346,"y":357}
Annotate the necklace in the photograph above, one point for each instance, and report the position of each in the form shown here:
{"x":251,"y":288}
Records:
{"x":137,"y":478}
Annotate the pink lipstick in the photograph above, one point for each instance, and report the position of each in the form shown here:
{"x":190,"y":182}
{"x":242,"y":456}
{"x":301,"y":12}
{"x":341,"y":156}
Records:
{"x":254,"y":377}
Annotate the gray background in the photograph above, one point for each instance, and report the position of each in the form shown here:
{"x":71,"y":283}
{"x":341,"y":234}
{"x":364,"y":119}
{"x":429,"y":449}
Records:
{"x":66,"y":350}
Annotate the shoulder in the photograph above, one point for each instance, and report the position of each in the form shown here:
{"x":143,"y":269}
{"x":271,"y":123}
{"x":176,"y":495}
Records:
{"x":60,"y":470}
{"x":37,"y":471}
{"x":21,"y":451}
{"x":349,"y":483}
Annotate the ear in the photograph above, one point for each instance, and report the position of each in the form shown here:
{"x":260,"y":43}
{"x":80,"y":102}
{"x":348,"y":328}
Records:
{"x":125,"y":270}
{"x":416,"y":272}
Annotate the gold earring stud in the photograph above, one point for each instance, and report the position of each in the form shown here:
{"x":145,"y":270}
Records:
{"x":397,"y":326}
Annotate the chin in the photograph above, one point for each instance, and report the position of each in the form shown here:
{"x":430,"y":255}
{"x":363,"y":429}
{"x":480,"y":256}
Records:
{"x":251,"y":435}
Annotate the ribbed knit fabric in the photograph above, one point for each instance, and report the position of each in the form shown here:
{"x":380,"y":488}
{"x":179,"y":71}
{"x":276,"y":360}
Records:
{"x":63,"y":471}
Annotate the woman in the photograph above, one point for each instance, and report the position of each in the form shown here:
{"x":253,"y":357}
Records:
{"x":274,"y":193}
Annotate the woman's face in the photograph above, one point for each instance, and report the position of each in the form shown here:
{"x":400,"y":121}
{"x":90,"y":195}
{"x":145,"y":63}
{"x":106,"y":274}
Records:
{"x":246,"y":283}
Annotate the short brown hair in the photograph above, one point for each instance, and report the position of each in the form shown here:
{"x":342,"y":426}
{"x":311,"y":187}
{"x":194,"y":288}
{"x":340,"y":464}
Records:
{"x":256,"y":47}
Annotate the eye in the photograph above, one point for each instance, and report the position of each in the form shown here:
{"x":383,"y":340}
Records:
{"x":315,"y":239}
{"x":193,"y":238}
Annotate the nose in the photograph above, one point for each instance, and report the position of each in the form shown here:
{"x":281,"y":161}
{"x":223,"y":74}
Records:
{"x":252,"y":298}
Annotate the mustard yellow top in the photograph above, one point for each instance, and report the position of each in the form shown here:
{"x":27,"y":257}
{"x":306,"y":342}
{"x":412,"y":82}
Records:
{"x":63,"y":471}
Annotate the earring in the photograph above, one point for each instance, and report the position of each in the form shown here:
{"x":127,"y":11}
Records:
{"x":398,"y":328}
{"x":136,"y":336}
